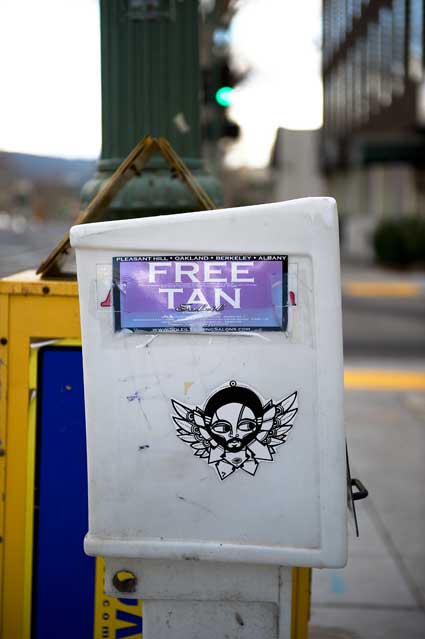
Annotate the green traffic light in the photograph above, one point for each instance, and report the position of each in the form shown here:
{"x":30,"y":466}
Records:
{"x":224,"y":95}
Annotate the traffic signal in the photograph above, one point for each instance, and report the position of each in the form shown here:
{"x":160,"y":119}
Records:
{"x":218,"y":86}
{"x":223,"y":96}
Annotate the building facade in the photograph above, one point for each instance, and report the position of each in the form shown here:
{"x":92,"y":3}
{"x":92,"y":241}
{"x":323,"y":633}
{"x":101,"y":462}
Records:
{"x":373,"y":141}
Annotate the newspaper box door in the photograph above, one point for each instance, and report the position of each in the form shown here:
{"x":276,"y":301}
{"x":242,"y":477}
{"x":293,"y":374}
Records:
{"x":213,"y":385}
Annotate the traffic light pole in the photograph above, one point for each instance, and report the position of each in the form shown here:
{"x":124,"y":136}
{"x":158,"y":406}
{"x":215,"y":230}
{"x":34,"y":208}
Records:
{"x":150,"y":86}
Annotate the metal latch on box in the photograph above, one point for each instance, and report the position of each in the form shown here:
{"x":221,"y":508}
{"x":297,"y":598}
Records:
{"x":361,"y":492}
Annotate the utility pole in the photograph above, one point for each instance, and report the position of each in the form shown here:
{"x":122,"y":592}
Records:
{"x":150,"y":85}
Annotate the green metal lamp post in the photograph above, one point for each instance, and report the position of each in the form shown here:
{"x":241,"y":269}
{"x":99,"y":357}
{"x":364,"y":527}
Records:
{"x":150,"y":85}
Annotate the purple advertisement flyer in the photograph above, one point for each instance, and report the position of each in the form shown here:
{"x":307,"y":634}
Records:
{"x":200,"y":294}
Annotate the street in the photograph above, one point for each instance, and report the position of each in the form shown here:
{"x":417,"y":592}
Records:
{"x":24,"y":246}
{"x":384,"y":314}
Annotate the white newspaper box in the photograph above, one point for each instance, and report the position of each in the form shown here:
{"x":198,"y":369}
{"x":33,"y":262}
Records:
{"x":213,"y":375}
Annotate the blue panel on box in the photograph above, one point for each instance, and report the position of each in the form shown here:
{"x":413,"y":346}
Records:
{"x":64,"y":577}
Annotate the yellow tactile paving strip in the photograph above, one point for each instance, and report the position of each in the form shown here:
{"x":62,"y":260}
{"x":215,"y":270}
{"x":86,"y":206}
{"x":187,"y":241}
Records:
{"x":381,"y":289}
{"x":385,"y":380}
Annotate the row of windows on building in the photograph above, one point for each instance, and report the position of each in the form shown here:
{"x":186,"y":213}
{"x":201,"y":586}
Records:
{"x":374,"y":69}
{"x":338,"y":20}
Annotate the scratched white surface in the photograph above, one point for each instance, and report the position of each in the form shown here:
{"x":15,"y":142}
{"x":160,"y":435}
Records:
{"x":149,"y":496}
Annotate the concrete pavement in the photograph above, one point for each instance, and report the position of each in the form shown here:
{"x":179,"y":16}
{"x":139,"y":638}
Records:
{"x":381,"y":592}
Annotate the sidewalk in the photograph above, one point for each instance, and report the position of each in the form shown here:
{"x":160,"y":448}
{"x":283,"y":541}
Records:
{"x":381,"y":592}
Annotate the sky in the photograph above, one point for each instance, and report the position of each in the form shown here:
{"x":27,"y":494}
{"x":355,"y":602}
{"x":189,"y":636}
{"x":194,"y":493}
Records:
{"x":279,"y":41}
{"x":50,"y":75}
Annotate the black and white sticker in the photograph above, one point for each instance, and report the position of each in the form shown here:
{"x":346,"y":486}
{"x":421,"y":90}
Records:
{"x":235,"y":430}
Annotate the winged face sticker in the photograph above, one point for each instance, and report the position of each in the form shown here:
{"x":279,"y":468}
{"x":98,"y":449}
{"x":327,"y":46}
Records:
{"x":235,"y":430}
